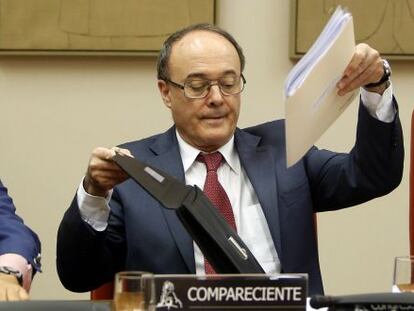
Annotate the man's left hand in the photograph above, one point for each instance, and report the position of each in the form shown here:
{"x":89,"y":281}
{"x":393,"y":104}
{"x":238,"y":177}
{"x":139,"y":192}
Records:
{"x":366,"y":67}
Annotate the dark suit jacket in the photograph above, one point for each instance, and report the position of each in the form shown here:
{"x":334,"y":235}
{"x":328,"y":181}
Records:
{"x":142,"y":235}
{"x":15,"y":236}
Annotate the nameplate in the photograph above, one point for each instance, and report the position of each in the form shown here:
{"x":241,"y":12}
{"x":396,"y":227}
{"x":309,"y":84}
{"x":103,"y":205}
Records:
{"x":231,"y":292}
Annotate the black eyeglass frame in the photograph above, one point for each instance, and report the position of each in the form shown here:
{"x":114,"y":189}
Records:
{"x":182,"y":86}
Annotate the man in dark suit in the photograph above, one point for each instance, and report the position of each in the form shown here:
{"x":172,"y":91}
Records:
{"x":19,"y":252}
{"x":113,"y":224}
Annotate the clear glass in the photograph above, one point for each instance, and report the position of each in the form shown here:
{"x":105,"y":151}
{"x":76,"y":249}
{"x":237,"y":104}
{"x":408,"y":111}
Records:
{"x":134,"y":291}
{"x":199,"y":88}
{"x":403,"y":279}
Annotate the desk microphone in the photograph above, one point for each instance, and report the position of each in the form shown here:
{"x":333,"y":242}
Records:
{"x":366,"y":302}
{"x":320,"y":301}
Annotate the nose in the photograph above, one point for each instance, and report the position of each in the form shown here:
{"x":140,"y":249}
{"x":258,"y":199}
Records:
{"x":215,"y":97}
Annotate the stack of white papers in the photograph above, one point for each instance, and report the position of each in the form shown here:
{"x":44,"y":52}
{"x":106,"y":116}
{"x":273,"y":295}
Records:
{"x":330,"y":33}
{"x":311,"y":99}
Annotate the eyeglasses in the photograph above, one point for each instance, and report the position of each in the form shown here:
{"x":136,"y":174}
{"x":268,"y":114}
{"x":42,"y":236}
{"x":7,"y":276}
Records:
{"x":199,"y":88}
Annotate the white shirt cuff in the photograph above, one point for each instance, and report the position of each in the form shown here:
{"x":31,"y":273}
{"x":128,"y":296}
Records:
{"x":94,"y":210}
{"x":379,"y":107}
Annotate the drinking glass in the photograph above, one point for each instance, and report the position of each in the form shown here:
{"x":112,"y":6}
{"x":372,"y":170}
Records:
{"x":134,"y":291}
{"x":403,"y":280}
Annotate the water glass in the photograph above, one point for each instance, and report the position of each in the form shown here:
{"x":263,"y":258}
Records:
{"x":403,"y":280}
{"x":134,"y":291}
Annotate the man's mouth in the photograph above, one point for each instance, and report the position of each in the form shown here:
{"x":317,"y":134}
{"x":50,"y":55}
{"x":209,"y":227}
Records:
{"x":214,"y":116}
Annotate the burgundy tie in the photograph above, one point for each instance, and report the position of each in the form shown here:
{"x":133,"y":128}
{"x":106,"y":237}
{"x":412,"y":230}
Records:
{"x":215,"y":192}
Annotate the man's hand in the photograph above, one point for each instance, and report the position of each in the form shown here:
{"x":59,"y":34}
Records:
{"x":103,"y":174}
{"x":10,"y":289}
{"x":366,"y":67}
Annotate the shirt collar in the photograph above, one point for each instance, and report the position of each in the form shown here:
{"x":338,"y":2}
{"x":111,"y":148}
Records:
{"x":190,"y":153}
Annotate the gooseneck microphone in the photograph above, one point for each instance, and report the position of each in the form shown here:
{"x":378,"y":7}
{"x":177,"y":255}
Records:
{"x":374,"y":301}
{"x":320,"y":301}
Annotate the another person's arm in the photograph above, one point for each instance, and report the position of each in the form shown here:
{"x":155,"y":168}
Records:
{"x":14,"y":274}
{"x":19,"y":252}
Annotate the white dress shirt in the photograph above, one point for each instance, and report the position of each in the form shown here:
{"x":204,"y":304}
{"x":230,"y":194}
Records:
{"x":250,"y":221}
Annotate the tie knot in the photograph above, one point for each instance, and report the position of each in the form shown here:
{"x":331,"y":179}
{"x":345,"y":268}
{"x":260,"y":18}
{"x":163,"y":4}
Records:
{"x":212,"y":160}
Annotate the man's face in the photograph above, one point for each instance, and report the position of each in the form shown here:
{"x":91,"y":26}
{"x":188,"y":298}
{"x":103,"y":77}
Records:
{"x":205,"y":123}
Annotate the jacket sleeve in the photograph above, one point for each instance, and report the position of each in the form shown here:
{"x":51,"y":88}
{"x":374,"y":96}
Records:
{"x":373,"y":168}
{"x":15,"y":236}
{"x":87,"y":258}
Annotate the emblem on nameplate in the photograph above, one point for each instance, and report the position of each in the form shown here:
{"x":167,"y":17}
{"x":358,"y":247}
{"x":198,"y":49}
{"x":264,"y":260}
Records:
{"x":168,"y":298}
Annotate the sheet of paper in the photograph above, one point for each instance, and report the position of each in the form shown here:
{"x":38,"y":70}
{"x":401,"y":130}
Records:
{"x":311,"y":100}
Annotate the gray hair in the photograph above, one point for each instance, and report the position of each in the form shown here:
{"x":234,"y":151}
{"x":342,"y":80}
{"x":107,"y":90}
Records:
{"x":165,"y":52}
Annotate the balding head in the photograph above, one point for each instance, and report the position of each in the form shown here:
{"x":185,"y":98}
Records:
{"x":165,"y":52}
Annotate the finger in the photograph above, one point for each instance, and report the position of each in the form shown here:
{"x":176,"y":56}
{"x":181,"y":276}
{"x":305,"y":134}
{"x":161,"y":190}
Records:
{"x":357,"y":60}
{"x":115,"y":150}
{"x":104,"y":181}
{"x":372,"y":73}
{"x":359,"y":81}
{"x":102,"y":176}
{"x":109,"y":178}
{"x":96,"y":164}
{"x":107,"y":170}
{"x":101,"y":160}
{"x":3,"y":290}
{"x":12,"y":293}
{"x":375,"y":73}
{"x":123,"y":151}
{"x":365,"y":66}
{"x":97,"y":173}
{"x":358,"y":64}
{"x":23,"y":295}
{"x":127,"y":152}
{"x":103,"y":153}
{"x":102,"y":173}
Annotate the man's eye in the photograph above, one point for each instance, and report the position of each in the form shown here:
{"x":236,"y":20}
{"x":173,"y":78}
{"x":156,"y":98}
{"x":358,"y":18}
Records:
{"x":230,"y":82}
{"x":197,"y":85}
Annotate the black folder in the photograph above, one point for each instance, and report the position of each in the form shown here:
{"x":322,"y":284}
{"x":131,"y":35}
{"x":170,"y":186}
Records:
{"x":219,"y":243}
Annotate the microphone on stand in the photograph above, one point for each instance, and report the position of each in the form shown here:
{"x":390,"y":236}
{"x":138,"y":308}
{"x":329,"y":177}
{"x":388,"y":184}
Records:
{"x":366,"y":302}
{"x":320,"y":301}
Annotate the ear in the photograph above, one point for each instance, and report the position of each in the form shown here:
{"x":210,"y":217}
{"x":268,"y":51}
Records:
{"x":165,"y":92}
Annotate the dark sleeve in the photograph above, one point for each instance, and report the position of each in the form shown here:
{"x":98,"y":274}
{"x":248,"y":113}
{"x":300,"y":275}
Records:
{"x":15,"y":236}
{"x":87,"y":258}
{"x":373,"y":168}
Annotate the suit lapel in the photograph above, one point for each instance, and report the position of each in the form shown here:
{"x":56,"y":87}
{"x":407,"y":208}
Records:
{"x":259,"y":164}
{"x":169,"y":160}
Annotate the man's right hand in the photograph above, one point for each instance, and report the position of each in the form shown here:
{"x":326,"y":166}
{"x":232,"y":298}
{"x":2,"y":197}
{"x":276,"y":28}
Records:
{"x":103,"y":173}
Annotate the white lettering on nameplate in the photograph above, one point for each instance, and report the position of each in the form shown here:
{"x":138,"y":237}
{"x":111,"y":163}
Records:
{"x":203,"y":294}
